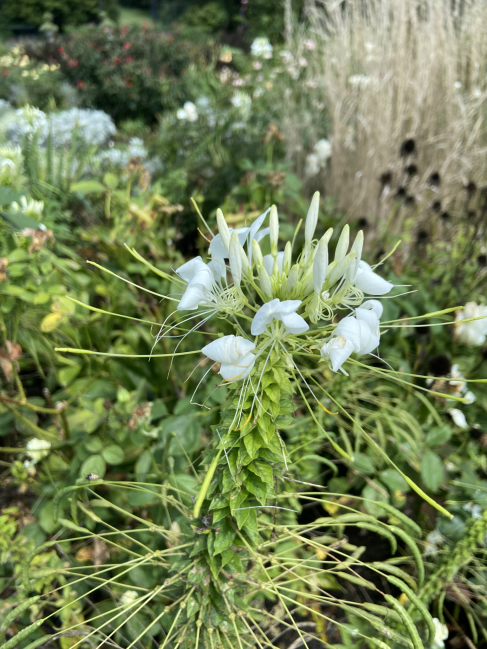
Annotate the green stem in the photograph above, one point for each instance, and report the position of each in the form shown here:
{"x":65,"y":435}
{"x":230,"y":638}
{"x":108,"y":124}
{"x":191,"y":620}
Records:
{"x":206,"y":484}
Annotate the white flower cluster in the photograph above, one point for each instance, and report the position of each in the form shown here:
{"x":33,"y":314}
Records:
{"x":29,"y":207}
{"x":316,"y":161}
{"x":91,"y":126}
{"x":10,"y":165}
{"x":37,"y":449}
{"x":261,"y":47}
{"x":188,"y":113}
{"x":441,"y":634}
{"x":475,"y":332}
{"x":240,"y":280}
{"x":120,"y":158}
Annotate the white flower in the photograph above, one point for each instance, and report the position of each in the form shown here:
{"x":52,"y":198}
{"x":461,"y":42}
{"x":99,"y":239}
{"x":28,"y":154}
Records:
{"x":261,"y":47}
{"x":242,"y":101}
{"x":317,"y":160}
{"x":29,"y":207}
{"x":474,"y":509}
{"x":471,"y":333}
{"x":323,"y":150}
{"x":188,"y":112}
{"x":369,"y":282}
{"x":129,"y":597}
{"x":219,"y":245}
{"x":276,"y":310}
{"x":358,"y":334}
{"x":309,"y":44}
{"x":441,"y":634}
{"x":469,"y":397}
{"x":458,"y":418}
{"x":359,"y":81}
{"x":312,"y":165}
{"x":433,"y":540}
{"x":200,"y":279}
{"x":37,"y":449}
{"x":235,"y":355}
{"x":338,"y":349}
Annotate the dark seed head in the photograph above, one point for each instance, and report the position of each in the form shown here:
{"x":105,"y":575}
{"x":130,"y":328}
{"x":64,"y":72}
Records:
{"x":407,"y":147}
{"x":471,"y":214}
{"x":363,"y":222}
{"x":471,"y":187}
{"x":410,"y":200}
{"x":411,"y":170}
{"x":385,"y":178}
{"x":434,"y":180}
{"x":439,"y":365}
{"x":482,"y":260}
{"x":436,"y":206}
{"x":445,"y":216}
{"x":400,"y":193}
{"x":422,"y":236}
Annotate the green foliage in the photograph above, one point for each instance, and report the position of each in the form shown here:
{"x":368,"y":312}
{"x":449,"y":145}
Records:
{"x":66,"y":12}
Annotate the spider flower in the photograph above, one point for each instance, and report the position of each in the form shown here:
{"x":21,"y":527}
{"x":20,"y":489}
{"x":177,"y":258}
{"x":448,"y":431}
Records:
{"x":285,"y":300}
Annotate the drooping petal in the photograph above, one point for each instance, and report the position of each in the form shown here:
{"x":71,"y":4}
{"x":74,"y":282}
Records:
{"x":369,"y":282}
{"x":228,"y":349}
{"x":239,"y":370}
{"x":295,"y":323}
{"x":192,"y":297}
{"x":373,"y":305}
{"x":350,"y":329}
{"x":188,"y":270}
{"x":337,"y":349}
{"x":263,"y":317}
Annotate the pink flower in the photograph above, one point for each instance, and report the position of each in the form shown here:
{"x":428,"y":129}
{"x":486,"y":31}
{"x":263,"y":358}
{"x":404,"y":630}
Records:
{"x":60,"y":49}
{"x":127,"y":46}
{"x":309,"y":44}
{"x":257,"y":65}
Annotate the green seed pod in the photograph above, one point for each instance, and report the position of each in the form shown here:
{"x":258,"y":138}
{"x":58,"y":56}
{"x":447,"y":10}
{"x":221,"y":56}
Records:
{"x":21,"y":635}
{"x":15,"y":612}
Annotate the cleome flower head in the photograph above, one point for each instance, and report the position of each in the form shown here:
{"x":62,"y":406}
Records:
{"x":284,"y":300}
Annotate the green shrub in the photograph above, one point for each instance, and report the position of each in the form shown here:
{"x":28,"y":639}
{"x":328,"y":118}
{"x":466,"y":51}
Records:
{"x":72,"y":12}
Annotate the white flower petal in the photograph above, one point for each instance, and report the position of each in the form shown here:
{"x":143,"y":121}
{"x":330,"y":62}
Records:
{"x":276,"y":310}
{"x":235,"y":355}
{"x":458,"y":418}
{"x":369,"y":282}
{"x":188,"y":270}
{"x":192,"y":298}
{"x":337,"y":349}
{"x":269,"y":263}
{"x":373,"y":305}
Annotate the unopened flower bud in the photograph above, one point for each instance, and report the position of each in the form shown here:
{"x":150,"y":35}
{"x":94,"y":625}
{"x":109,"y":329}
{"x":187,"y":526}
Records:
{"x":287,"y":259}
{"x":312,"y":219}
{"x":257,"y":253}
{"x":265,"y":282}
{"x":223,"y":229}
{"x":340,"y":269}
{"x":235,"y":259}
{"x":320,"y":265}
{"x":273,"y":230}
{"x":245,"y":262}
{"x":342,"y":245}
{"x":357,"y":247}
{"x":293,"y":277}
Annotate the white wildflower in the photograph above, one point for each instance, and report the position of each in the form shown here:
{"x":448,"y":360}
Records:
{"x":475,"y":332}
{"x":474,"y":509}
{"x":235,"y":355}
{"x":261,"y":47}
{"x":129,"y":597}
{"x":441,"y":634}
{"x":37,"y":449}
{"x":282,"y":311}
{"x":458,"y":417}
{"x":188,"y":112}
{"x":29,"y":207}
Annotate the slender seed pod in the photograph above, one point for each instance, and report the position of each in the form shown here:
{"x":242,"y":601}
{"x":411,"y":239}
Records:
{"x":408,"y":623}
{"x":223,"y":229}
{"x":342,"y":245}
{"x":414,"y":599}
{"x":25,"y":633}
{"x":15,"y":612}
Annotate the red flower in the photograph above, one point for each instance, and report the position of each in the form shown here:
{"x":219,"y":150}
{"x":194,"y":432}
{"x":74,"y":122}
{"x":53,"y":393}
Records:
{"x":129,"y":59}
{"x":170,"y":39}
{"x":127,"y":46}
{"x":117,"y":60}
{"x":80,"y":84}
{"x":73,"y":63}
{"x":60,"y":50}
{"x":128,"y":83}
{"x":5,"y":73}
